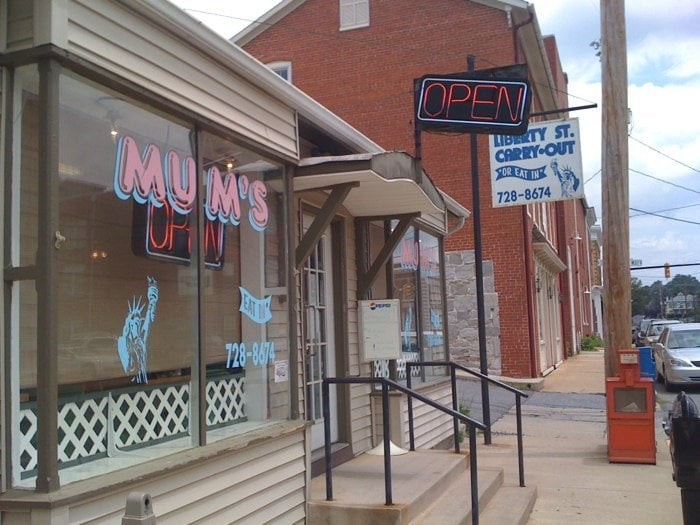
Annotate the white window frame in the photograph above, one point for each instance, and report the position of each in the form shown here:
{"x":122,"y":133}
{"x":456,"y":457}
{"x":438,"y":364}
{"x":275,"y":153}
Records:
{"x":353,"y":14}
{"x":282,"y":66}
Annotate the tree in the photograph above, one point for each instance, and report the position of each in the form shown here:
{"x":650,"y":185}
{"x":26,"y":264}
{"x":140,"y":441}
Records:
{"x":685,"y":284}
{"x":640,"y":297}
{"x":650,"y":300}
{"x":654,"y":306}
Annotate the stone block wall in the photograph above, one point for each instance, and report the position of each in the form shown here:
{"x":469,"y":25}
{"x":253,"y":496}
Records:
{"x":462,"y":315}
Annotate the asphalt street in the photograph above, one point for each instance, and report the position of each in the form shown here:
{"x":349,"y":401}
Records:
{"x":665,"y":399}
{"x":501,"y":401}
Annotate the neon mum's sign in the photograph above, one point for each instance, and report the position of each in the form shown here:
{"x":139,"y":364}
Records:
{"x":412,"y":257}
{"x":156,"y":179}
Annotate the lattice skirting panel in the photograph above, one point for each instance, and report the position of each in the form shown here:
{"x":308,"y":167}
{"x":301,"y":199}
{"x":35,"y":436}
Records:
{"x":95,"y":425}
{"x":149,"y":416}
{"x":381,"y":366}
{"x":225,"y":401}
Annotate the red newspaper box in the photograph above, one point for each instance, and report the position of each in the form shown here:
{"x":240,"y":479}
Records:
{"x":630,"y":403}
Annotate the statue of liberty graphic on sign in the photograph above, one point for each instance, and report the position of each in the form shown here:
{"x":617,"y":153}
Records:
{"x":567,"y":178}
{"x":132,"y":344}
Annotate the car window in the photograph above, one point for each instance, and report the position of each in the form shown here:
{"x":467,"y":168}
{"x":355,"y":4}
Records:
{"x":693,"y":339}
{"x":656,"y":329}
{"x":644,"y":325}
{"x":686,"y":339}
{"x":674,"y":340}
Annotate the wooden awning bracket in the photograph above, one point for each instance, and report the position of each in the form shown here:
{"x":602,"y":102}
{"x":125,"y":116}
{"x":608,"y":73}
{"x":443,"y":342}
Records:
{"x":321,"y":221}
{"x":365,"y":281}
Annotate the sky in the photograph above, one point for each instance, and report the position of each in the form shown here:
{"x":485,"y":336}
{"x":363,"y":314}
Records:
{"x":663,"y":70}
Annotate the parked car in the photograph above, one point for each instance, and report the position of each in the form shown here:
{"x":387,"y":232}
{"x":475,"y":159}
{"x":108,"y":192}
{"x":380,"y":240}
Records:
{"x":654,"y":329}
{"x":677,"y":354}
{"x":642,"y":330}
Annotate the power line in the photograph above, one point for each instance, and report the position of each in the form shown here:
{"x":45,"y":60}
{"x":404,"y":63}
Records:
{"x":663,"y":266}
{"x":348,"y":37}
{"x":665,"y":217}
{"x":589,"y":179}
{"x":664,"y":154}
{"x":666,"y":210}
{"x":665,"y":181}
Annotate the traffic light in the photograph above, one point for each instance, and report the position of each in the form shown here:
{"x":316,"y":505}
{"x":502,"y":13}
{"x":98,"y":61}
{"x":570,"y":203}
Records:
{"x":667,"y":270}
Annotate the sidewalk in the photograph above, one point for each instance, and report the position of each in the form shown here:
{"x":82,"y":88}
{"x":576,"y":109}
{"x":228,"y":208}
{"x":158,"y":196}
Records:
{"x":565,"y":444}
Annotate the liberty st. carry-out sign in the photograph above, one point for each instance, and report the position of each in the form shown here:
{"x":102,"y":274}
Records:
{"x":542,"y":164}
{"x":486,"y":101}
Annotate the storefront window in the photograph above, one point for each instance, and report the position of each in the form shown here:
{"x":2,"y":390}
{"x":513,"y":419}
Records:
{"x":127,"y":312}
{"x":129,"y":283}
{"x":24,"y":178}
{"x":245,"y":307}
{"x":417,"y":279}
{"x":432,"y":316}
{"x":23,"y":225}
{"x":405,"y":274}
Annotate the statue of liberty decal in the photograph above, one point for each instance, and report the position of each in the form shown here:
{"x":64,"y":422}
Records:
{"x":132,"y":344}
{"x":567,"y":178}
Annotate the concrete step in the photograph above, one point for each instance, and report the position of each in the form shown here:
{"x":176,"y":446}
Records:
{"x":418,"y":479}
{"x":428,"y":487}
{"x":454,"y":506}
{"x":511,"y":505}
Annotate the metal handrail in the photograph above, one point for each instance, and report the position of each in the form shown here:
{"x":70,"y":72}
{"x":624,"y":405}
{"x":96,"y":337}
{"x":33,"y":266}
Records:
{"x":472,"y":424}
{"x":453,"y":377}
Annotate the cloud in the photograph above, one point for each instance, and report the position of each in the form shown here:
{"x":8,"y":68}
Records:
{"x":664,"y":80}
{"x":674,"y":19}
{"x":664,"y":58}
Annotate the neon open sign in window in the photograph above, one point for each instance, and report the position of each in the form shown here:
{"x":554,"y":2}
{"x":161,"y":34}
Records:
{"x":161,"y":232}
{"x":480,"y":105}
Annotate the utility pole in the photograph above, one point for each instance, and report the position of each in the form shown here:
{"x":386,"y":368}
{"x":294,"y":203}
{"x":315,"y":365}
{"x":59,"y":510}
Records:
{"x":615,"y":182}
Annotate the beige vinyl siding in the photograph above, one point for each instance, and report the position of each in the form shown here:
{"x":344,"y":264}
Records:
{"x":361,"y":418}
{"x":360,"y":401}
{"x":277,"y":332}
{"x":431,"y":426}
{"x":263,"y":483}
{"x":124,"y":42}
{"x":436,"y":221}
{"x":19,"y":28}
{"x":109,"y":35}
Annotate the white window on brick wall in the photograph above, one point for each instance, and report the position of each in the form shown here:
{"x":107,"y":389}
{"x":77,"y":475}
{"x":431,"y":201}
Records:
{"x":283,"y":69}
{"x":354,"y":14}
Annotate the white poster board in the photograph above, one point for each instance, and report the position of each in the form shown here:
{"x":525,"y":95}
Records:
{"x":380,"y":329}
{"x":544,"y":164}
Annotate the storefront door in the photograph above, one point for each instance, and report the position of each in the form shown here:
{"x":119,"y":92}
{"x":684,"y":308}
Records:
{"x":548,"y":314}
{"x":318,"y":337}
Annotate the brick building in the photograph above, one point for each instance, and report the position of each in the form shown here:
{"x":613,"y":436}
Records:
{"x":360,"y":59}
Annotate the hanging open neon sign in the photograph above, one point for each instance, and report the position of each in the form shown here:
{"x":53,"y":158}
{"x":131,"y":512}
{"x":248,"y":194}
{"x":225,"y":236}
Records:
{"x":167,"y":186}
{"x":493,"y":101}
